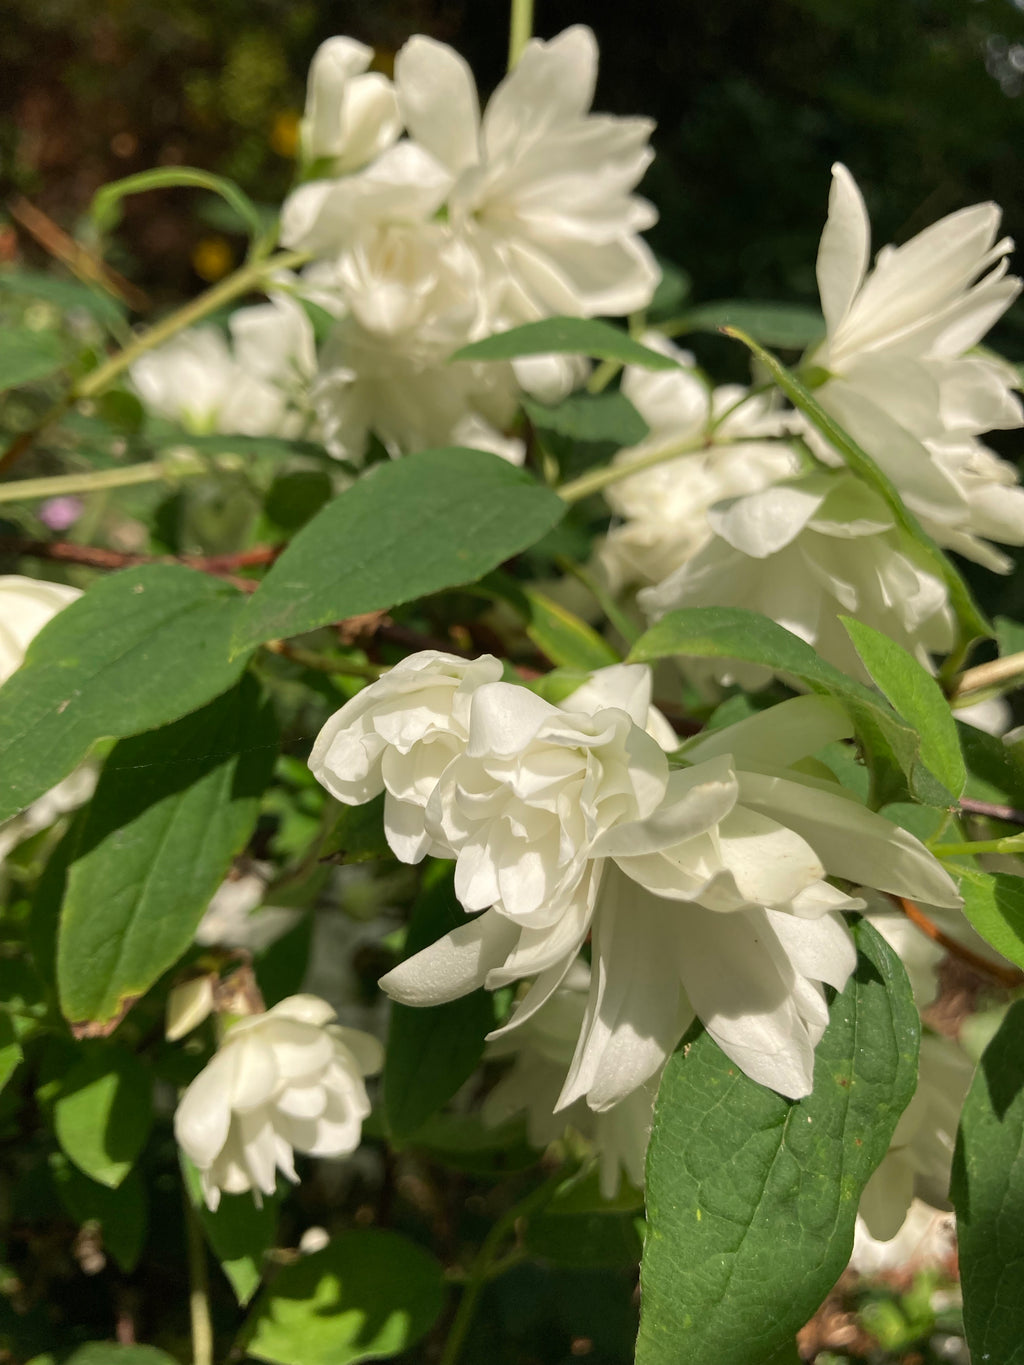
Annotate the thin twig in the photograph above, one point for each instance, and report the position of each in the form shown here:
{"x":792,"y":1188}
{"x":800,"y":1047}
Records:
{"x":88,"y":267}
{"x":993,"y":810}
{"x":95,"y":557}
{"x":1009,"y":977}
{"x":1010,"y":668}
{"x":597,"y":479}
{"x":199,"y":1287}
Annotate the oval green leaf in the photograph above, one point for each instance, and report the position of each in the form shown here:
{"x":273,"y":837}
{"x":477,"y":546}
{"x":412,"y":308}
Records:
{"x":891,"y":745}
{"x":917,"y":697}
{"x":573,"y":336}
{"x":140,"y":649}
{"x":987,"y":1190}
{"x":172,"y":809}
{"x":735,"y":1172}
{"x":403,"y":530}
{"x":103,"y":1112}
{"x":367,"y":1296}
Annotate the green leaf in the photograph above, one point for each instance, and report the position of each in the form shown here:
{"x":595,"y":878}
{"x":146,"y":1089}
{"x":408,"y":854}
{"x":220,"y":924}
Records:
{"x":737,"y":1175}
{"x":995,"y":769}
{"x":558,"y":633}
{"x":586,"y":1240}
{"x":988,"y":1193}
{"x":10,"y":1049}
{"x":67,"y":295}
{"x":1009,"y":635}
{"x":121,"y":1213}
{"x":917,"y":697}
{"x":26,"y":356}
{"x":367,"y":1296}
{"x":140,"y":649}
{"x":891,"y":745}
{"x":972,"y":620}
{"x":103,"y":1111}
{"x":105,"y":208}
{"x":432,"y":1051}
{"x":576,"y":336}
{"x":239,"y":1233}
{"x":788,"y":325}
{"x":403,"y":530}
{"x":172,"y":809}
{"x":994,"y":904}
{"x":110,"y":1353}
{"x":606,"y":419}
{"x":296,"y":497}
{"x":357,"y":836}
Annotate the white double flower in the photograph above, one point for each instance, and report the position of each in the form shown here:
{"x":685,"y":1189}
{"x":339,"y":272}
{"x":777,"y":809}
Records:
{"x":701,"y":888}
{"x":286,"y":1081}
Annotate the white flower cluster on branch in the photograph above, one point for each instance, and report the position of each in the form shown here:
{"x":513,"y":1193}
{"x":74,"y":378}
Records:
{"x":741,"y":518}
{"x":431,"y":225}
{"x":698,"y":886}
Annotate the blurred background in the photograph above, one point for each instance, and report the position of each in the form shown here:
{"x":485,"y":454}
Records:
{"x":921,"y":98}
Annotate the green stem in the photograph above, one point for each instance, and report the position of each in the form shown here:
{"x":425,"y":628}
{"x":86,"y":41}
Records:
{"x":232,"y":287}
{"x":603,"y":375}
{"x":596,"y":479}
{"x":520,"y":29}
{"x":25,"y":490}
{"x":1013,"y":843}
{"x":199,"y":1288}
{"x":613,"y":612}
{"x":487,"y":1262}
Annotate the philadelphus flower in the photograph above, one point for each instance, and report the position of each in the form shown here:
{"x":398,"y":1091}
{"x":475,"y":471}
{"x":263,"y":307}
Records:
{"x":282,"y":1082}
{"x":702,"y":887}
{"x":351,"y":113}
{"x":663,"y":510}
{"x":541,"y":186}
{"x":805,"y":552}
{"x":254,"y":388}
{"x":26,"y":605}
{"x":904,"y":377}
{"x":542,"y":1051}
{"x":397,"y":736}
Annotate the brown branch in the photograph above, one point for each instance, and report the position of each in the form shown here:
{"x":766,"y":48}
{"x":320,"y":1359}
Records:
{"x":75,"y":256}
{"x":1009,"y":977}
{"x":95,"y":557}
{"x":993,"y":810}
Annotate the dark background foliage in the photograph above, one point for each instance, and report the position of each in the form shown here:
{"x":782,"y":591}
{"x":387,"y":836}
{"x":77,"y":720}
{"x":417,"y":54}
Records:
{"x":921,"y":98}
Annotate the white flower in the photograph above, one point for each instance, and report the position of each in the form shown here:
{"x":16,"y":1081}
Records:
{"x":397,"y":736}
{"x":410,"y":398}
{"x":664,"y":509}
{"x":26,"y":605}
{"x":805,"y":552}
{"x":351,"y":115}
{"x":904,"y":377}
{"x":281,"y":1082}
{"x":542,"y":1051}
{"x":256,"y":389}
{"x":540,"y":185}
{"x":557,"y":819}
{"x":920,"y":1156}
{"x":927,"y":1239}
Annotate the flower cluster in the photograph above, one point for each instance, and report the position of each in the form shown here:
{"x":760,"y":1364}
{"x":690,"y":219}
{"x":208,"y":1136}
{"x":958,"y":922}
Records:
{"x":700,"y":885}
{"x":288,"y":1080}
{"x":430,"y":224}
{"x":744,"y":516}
